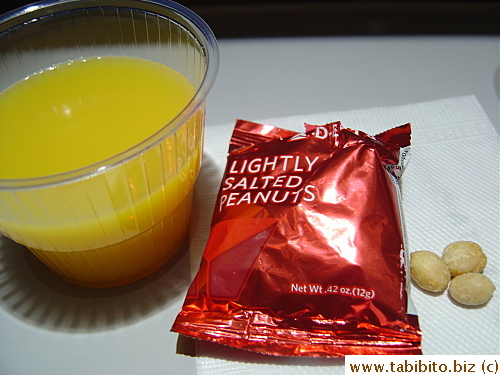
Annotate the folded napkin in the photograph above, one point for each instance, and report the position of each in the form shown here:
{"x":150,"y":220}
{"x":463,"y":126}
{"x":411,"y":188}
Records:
{"x":450,"y":193}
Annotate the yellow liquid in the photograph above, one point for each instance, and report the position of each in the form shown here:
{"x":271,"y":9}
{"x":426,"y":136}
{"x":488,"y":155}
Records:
{"x":85,"y":111}
{"x":118,"y":226}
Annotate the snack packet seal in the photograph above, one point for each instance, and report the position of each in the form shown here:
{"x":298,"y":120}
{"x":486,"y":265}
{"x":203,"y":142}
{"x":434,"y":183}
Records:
{"x":307,"y":251}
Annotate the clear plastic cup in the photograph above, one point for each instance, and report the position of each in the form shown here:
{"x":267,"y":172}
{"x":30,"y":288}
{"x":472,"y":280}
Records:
{"x":118,"y":220}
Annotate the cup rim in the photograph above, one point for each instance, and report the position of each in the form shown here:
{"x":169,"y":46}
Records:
{"x":45,"y":7}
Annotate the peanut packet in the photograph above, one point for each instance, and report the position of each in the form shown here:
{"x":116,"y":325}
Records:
{"x":307,"y":254}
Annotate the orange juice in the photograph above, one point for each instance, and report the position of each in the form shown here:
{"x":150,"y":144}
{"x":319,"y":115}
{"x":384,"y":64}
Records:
{"x":113,"y":227}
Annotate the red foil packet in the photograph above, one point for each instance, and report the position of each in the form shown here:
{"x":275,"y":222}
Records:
{"x":306,"y":254}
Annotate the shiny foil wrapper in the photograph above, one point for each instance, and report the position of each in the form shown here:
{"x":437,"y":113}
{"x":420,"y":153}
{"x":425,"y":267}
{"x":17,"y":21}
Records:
{"x":306,"y":254}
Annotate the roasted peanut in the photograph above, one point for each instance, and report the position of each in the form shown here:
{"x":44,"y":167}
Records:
{"x":471,"y":289}
{"x":429,"y":271}
{"x":464,"y":257}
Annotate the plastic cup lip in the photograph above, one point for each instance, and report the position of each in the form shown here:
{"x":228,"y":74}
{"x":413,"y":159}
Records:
{"x":25,"y":14}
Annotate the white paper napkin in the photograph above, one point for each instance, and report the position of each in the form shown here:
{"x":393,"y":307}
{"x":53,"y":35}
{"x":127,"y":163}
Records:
{"x":450,"y":193}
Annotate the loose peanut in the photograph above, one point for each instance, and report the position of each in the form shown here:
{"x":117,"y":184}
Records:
{"x":429,"y":271}
{"x":471,"y":289}
{"x":464,"y":257}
